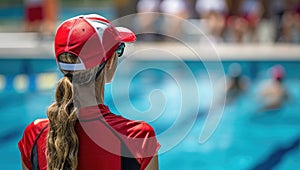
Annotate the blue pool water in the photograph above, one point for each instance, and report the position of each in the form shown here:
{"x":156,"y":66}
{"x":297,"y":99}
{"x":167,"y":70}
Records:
{"x":244,"y":139}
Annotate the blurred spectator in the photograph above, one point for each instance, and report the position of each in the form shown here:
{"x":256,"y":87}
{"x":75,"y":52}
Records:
{"x":244,"y":18}
{"x":51,"y":11}
{"x":33,"y":15}
{"x":290,"y":22}
{"x":213,"y":11}
{"x":147,"y":20}
{"x":277,"y":11}
{"x":232,"y":15}
{"x":236,"y":83}
{"x":41,"y":16}
{"x":273,"y":93}
{"x":172,"y":25}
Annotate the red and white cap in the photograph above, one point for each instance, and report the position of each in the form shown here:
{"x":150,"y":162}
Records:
{"x":92,"y":38}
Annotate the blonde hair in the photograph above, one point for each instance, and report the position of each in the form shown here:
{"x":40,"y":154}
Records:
{"x":62,"y":140}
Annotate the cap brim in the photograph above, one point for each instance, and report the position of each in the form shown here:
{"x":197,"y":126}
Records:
{"x":126,"y":34}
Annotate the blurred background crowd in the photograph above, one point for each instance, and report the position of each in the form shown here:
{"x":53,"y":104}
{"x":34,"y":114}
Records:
{"x":232,"y":20}
{"x":229,"y":21}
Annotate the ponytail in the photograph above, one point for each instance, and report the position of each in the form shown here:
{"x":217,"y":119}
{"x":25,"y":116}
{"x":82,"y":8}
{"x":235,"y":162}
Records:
{"x":62,"y":140}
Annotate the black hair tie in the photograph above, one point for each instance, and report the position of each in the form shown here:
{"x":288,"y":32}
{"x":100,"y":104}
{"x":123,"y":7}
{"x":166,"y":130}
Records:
{"x":69,"y":76}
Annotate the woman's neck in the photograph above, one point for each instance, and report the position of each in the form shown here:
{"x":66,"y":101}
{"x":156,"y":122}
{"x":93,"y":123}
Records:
{"x":87,"y":95}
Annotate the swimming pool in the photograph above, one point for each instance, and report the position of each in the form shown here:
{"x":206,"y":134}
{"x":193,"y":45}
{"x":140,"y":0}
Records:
{"x":243,"y":139}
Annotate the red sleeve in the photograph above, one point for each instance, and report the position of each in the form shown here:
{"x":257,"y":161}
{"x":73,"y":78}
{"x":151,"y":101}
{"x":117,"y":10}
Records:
{"x":26,"y":143}
{"x":142,"y":142}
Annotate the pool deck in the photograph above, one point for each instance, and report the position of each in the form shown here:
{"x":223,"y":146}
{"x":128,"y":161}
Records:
{"x":29,"y":45}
